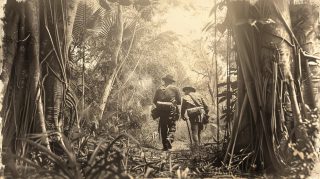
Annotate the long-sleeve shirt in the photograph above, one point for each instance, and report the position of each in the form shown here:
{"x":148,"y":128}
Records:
{"x":167,"y":94}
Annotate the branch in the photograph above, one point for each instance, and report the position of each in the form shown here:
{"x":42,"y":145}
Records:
{"x":200,"y":73}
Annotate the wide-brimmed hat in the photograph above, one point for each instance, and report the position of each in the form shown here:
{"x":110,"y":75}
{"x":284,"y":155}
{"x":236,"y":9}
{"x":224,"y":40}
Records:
{"x":190,"y":88}
{"x":168,"y":78}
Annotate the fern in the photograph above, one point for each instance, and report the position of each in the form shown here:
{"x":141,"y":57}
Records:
{"x":89,"y":18}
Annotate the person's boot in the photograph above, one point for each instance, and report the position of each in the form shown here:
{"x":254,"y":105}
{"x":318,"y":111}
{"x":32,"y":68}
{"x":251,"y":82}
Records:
{"x":165,"y":149}
{"x":169,"y":143}
{"x":167,"y":146}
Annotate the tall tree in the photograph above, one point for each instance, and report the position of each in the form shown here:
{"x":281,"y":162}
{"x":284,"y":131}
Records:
{"x":305,"y":26}
{"x":270,"y":68}
{"x":2,"y":89}
{"x":117,"y":36}
{"x":305,"y":19}
{"x":117,"y":31}
{"x":37,"y":39}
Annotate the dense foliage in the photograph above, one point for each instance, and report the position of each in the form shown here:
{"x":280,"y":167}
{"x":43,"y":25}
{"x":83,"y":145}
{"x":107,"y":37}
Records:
{"x":81,"y":107}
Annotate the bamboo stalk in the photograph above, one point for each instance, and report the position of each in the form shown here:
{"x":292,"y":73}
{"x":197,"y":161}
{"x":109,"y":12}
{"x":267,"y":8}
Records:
{"x":217,"y":79}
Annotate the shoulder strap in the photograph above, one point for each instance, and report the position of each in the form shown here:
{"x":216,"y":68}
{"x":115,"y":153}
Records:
{"x":195,"y":102}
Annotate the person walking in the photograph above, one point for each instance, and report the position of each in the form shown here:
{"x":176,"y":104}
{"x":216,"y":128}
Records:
{"x":167,"y":100}
{"x":194,"y":109}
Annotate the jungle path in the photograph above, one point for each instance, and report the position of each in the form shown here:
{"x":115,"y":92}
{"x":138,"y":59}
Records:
{"x":181,"y":159}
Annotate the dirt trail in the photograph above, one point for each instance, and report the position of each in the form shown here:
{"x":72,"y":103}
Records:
{"x":315,"y":174}
{"x":182,"y":139}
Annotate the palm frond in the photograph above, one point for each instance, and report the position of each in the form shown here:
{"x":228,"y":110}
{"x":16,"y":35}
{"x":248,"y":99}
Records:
{"x":106,"y":25}
{"x":90,"y":17}
{"x":129,"y":27}
{"x":53,"y":157}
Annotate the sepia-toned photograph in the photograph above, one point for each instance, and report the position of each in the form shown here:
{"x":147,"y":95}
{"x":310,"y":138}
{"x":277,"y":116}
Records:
{"x":139,"y":89}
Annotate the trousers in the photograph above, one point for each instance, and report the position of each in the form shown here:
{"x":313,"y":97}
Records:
{"x":167,"y":127}
{"x":196,"y":129}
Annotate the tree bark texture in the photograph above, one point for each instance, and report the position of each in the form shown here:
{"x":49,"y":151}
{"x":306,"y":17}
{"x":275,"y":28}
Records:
{"x":269,"y":66}
{"x":37,"y":38}
{"x":305,"y":19}
{"x":305,"y":23}
{"x":57,"y":18}
{"x":2,"y":85}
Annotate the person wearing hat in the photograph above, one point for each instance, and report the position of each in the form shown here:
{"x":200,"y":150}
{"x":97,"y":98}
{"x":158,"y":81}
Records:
{"x":195,"y":109}
{"x":167,"y":100}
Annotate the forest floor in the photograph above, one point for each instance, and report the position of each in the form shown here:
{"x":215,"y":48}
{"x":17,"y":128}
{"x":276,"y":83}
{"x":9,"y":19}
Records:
{"x":197,"y":163}
{"x":315,"y":174}
{"x":183,"y":161}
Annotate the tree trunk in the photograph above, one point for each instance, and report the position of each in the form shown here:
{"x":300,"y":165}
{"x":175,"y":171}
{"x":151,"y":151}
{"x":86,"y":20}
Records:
{"x":32,"y":11}
{"x":246,"y":41}
{"x":36,"y":33}
{"x":16,"y":72}
{"x":118,"y":34}
{"x":304,"y":21}
{"x":56,"y":23}
{"x":268,"y":59}
{"x":3,"y":86}
{"x":117,"y":37}
{"x":106,"y":93}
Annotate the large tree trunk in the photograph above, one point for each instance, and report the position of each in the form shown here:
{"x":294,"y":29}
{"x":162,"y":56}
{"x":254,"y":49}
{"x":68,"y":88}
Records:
{"x":245,"y":41}
{"x":305,"y":22}
{"x":21,"y":74}
{"x":3,"y":86}
{"x":268,"y":59}
{"x":16,"y":71}
{"x":57,"y":18}
{"x":37,"y":35}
